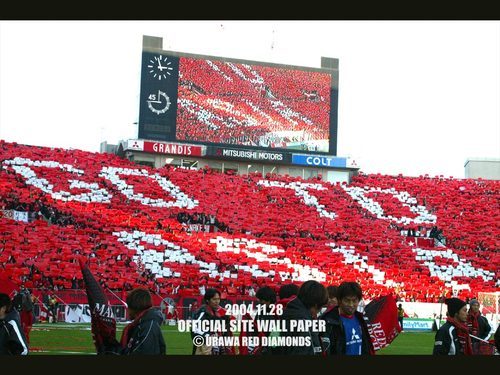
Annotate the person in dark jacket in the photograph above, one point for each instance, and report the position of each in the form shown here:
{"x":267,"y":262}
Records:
{"x":346,"y":328}
{"x":453,"y":338}
{"x":312,"y":296}
{"x":288,"y":291}
{"x":143,"y":335}
{"x":210,"y":310}
{"x":478,"y":326}
{"x":23,"y":303}
{"x":266,"y":297}
{"x":12,"y":340}
{"x":286,"y":294}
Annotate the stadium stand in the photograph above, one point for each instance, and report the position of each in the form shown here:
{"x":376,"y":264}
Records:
{"x":416,"y":237}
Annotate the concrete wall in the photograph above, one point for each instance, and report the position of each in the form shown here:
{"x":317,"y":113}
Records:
{"x":486,"y":168}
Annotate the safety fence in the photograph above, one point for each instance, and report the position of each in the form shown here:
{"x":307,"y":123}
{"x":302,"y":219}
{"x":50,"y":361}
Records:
{"x":72,"y":305}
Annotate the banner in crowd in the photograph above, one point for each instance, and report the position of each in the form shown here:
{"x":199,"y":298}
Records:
{"x":490,"y":302}
{"x":202,"y":228}
{"x":21,"y":216}
{"x":15,"y":215}
{"x":77,"y":314}
{"x":382,"y":314}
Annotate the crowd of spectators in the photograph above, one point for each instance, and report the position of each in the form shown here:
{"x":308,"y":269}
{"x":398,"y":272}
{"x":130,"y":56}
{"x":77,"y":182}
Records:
{"x":250,"y":105}
{"x":316,"y":225}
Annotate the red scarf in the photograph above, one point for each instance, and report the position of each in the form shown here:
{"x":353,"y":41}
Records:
{"x":243,"y":349}
{"x":126,"y":331}
{"x":463,"y":335}
{"x":472,"y":323}
{"x":221,"y":313}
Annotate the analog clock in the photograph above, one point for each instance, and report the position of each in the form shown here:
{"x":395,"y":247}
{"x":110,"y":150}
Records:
{"x":159,"y":67}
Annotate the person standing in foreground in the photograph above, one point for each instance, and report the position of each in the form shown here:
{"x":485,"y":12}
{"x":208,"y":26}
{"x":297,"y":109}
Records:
{"x":478,"y":326}
{"x":210,"y":310}
{"x":12,"y":340}
{"x":266,"y":297}
{"x":311,"y":298}
{"x":23,"y":303}
{"x":287,"y":292}
{"x":453,"y":336}
{"x":346,"y":328}
{"x":143,"y":335}
{"x":26,"y":312}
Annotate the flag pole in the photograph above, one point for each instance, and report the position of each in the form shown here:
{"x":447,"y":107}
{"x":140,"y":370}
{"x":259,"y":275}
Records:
{"x":440,"y":312}
{"x":480,"y":339}
{"x":122,"y":301}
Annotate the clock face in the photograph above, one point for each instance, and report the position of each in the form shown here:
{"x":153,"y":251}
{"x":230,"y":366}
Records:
{"x":158,"y":104}
{"x":159,"y":67}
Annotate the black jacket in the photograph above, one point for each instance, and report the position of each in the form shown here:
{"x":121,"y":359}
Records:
{"x":446,"y":341}
{"x":295,"y":310}
{"x":333,"y":340}
{"x":146,"y":337}
{"x":12,"y":340}
{"x":484,"y":328}
{"x":207,"y":313}
{"x":22,"y":301}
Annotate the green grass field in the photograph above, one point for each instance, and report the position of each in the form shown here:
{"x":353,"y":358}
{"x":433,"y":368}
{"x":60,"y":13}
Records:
{"x":74,"y":339}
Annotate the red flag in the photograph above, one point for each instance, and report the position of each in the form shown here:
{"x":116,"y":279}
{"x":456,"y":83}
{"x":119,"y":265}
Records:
{"x":382,"y":314}
{"x":103,"y":322}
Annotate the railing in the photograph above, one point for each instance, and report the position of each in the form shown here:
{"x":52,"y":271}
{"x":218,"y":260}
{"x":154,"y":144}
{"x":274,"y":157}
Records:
{"x":77,"y":311}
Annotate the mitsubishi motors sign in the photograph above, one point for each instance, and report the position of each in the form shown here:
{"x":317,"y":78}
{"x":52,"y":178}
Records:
{"x":245,"y":154}
{"x":166,"y":148}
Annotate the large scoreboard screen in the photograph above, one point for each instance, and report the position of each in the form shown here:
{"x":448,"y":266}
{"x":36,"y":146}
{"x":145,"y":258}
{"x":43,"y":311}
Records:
{"x":242,"y":104}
